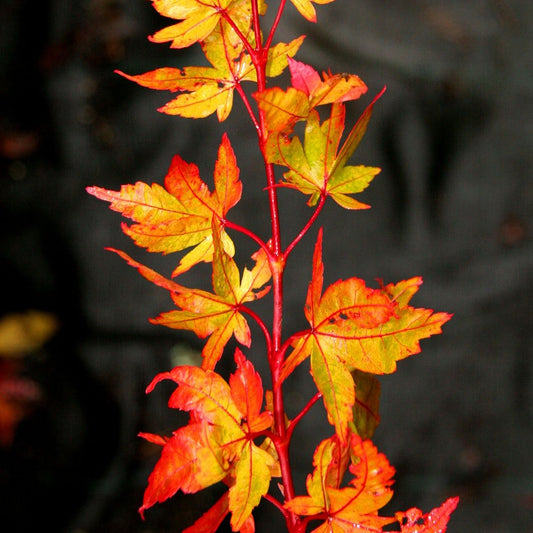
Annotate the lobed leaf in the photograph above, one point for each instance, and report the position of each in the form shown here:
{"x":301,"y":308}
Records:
{"x":206,"y":90}
{"x":355,"y":327}
{"x":318,"y":167}
{"x":333,"y":88}
{"x":216,"y":445}
{"x":180,"y":215}
{"x":198,"y":19}
{"x":203,"y":90}
{"x":282,"y":109}
{"x":218,"y":315}
{"x":348,"y":508}
{"x":190,"y":461}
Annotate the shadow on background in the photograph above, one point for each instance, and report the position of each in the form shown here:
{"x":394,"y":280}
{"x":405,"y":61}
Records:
{"x":453,"y":204}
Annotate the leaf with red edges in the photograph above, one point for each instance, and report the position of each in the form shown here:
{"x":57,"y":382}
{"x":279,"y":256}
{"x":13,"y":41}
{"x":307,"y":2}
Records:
{"x":216,"y":445}
{"x":314,"y":166}
{"x":190,"y":460}
{"x":206,"y":90}
{"x":218,"y":315}
{"x":349,"y":508}
{"x":282,"y":109}
{"x":180,"y":215}
{"x":414,"y":521}
{"x":247,"y":392}
{"x":332,"y":88}
{"x":356,"y":327}
{"x":199,"y":18}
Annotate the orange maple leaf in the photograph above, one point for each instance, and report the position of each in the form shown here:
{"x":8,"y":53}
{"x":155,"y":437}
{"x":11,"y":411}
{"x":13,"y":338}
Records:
{"x":356,"y":327}
{"x":206,"y":90}
{"x":217,"y":444}
{"x":180,"y":215}
{"x":349,"y":508}
{"x":218,"y":315}
{"x":199,"y":19}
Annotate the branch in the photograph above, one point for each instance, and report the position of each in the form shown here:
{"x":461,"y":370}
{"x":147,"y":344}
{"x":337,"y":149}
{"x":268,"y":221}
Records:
{"x":248,"y":106}
{"x":245,"y":231}
{"x":306,"y":228}
{"x":276,"y":503}
{"x":275,"y":24}
{"x":302,"y":413}
{"x":260,"y":323}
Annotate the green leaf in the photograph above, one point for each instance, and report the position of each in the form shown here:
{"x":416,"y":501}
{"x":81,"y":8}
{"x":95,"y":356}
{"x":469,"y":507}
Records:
{"x":314,"y":167}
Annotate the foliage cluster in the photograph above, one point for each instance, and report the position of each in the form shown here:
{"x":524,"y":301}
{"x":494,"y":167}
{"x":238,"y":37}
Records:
{"x":238,"y":433}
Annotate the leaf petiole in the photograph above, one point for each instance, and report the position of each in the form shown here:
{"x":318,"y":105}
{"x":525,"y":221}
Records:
{"x":306,"y":228}
{"x":294,"y":422}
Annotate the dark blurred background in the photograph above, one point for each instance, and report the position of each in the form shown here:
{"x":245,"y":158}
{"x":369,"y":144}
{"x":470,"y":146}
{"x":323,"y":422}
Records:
{"x":454,"y":203}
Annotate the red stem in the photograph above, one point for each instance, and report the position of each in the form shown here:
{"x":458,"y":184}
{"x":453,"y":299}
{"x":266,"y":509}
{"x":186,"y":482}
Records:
{"x":261,"y":324}
{"x":302,"y":413}
{"x":248,"y":233}
{"x":248,"y":106}
{"x":305,"y":229}
{"x":274,"y":27}
{"x":277,"y":266}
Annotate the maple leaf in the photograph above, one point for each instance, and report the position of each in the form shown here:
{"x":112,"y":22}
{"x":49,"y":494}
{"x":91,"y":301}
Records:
{"x":217,"y":444}
{"x":356,"y":327}
{"x":315,"y":167}
{"x":350,"y":508}
{"x":282,"y":109}
{"x":200,"y":18}
{"x":218,"y":315}
{"x":306,"y":8}
{"x":179,"y":216}
{"x":332,"y":88}
{"x":210,"y":521}
{"x":206,"y":90}
{"x":414,"y":521}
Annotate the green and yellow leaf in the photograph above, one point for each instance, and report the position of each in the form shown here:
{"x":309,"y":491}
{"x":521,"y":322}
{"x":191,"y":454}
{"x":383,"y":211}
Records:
{"x":356,"y":327}
{"x":179,"y":215}
{"x":313,"y":167}
{"x":350,"y":508}
{"x":218,"y":315}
